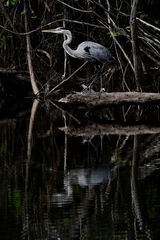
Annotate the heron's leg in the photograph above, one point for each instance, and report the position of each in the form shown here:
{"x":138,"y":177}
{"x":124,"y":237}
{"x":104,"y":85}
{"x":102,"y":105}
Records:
{"x":92,"y":82}
{"x":99,"y":70}
{"x":98,"y":74}
{"x":101,"y":88}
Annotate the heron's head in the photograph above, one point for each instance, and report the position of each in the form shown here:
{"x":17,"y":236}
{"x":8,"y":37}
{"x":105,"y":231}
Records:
{"x":59,"y":30}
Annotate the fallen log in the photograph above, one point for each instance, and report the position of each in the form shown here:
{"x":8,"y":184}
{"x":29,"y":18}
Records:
{"x":114,"y":98}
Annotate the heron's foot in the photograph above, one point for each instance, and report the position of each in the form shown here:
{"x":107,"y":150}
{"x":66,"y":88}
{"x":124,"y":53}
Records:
{"x":102,"y":90}
{"x":87,"y":89}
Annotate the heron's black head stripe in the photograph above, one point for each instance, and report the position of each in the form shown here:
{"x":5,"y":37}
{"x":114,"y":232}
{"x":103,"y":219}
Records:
{"x":87,"y":49}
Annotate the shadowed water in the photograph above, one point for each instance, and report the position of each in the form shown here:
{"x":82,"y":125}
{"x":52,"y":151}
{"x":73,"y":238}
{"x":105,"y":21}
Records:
{"x":63,"y":176}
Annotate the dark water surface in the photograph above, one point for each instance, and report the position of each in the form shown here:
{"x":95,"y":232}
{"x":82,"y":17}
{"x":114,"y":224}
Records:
{"x":63,"y":176}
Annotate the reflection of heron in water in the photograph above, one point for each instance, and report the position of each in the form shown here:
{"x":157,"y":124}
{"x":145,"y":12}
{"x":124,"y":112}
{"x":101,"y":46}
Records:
{"x":91,"y":51}
{"x":85,"y":178}
{"x":88,"y":177}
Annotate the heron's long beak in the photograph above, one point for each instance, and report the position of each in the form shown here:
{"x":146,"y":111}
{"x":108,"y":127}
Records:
{"x":48,"y":30}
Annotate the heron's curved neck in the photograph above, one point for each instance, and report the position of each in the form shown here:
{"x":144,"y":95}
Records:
{"x":66,"y":42}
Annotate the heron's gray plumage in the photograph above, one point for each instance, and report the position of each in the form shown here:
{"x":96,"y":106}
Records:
{"x":95,"y":52}
{"x":87,"y":50}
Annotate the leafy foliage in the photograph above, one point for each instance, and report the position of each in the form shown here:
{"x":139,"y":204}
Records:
{"x":12,"y":2}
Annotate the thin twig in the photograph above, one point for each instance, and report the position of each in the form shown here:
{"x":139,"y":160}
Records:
{"x":51,"y":23}
{"x":75,"y":9}
{"x":9,"y":20}
{"x":122,"y":50}
{"x":65,"y":80}
{"x":148,"y":24}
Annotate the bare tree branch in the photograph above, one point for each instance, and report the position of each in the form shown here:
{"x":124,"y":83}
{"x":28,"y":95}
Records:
{"x":30,"y":67}
{"x":135,"y":45}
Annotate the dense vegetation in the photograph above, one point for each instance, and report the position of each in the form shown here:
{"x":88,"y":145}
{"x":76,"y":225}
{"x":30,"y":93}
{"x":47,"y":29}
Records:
{"x":129,"y":29}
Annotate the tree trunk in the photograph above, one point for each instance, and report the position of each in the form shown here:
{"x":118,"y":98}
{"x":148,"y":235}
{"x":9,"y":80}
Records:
{"x":135,"y":46}
{"x":30,"y":67}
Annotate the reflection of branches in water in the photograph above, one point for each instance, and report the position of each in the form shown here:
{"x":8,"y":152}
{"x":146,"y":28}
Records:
{"x":151,"y":146}
{"x":82,"y":215}
{"x":148,"y":168}
{"x":32,"y":117}
{"x":89,"y":140}
{"x":149,"y":149}
{"x":119,"y":149}
{"x":29,"y":149}
{"x":65,"y":145}
{"x":95,"y":146}
{"x":134,"y":194}
{"x":123,"y":133}
{"x":134,"y":190}
{"x":150,"y":156}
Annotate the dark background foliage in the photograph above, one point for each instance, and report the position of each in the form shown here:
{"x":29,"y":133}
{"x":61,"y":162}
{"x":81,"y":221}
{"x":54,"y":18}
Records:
{"x":107,"y":23}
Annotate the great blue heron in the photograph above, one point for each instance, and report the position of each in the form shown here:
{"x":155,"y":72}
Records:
{"x":91,"y":51}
